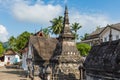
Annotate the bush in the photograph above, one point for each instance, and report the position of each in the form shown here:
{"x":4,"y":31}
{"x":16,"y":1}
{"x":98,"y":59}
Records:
{"x":83,"y":48}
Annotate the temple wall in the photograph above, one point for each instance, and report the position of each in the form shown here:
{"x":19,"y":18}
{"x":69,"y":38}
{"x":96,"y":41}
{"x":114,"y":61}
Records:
{"x":68,"y":71}
{"x":94,"y":77}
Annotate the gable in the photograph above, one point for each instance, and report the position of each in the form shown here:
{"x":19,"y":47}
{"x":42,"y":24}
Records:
{"x":105,"y":34}
{"x":101,"y":31}
{"x":43,"y":47}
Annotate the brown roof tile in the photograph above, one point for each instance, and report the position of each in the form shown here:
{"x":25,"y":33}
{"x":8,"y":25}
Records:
{"x":10,"y":52}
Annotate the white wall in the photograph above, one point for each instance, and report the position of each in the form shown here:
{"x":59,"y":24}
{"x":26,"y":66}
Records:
{"x":114,"y":34}
{"x":12,"y":58}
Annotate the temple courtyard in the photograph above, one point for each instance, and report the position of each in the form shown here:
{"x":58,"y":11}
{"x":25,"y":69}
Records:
{"x":12,"y":74}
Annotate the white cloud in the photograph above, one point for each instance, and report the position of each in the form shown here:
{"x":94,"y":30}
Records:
{"x":3,"y":34}
{"x":89,"y":22}
{"x":42,"y":13}
{"x":33,"y":12}
{"x":37,"y":13}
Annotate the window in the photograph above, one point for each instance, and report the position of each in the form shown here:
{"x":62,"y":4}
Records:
{"x":117,"y":37}
{"x":105,"y":39}
{"x":8,"y":58}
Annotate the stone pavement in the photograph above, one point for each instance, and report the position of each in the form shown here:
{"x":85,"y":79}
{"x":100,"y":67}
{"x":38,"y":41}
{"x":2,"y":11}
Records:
{"x":12,"y":74}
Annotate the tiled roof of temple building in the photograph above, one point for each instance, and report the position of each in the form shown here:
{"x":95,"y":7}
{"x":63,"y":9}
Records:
{"x":43,"y":46}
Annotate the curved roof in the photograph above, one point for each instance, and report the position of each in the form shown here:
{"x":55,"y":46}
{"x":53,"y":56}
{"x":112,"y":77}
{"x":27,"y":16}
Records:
{"x":104,"y":58}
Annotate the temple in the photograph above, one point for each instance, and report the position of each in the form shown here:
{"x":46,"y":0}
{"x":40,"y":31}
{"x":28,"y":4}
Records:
{"x":55,"y":58}
{"x":66,"y":58}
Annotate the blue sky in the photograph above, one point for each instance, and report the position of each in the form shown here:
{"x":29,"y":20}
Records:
{"x":17,"y":16}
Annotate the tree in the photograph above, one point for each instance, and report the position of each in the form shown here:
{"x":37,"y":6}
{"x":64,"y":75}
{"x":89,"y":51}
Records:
{"x":18,"y":43}
{"x":46,"y":31}
{"x":22,"y":39}
{"x":6,"y":45}
{"x":83,"y":49}
{"x":57,"y":24}
{"x":75,"y":27}
{"x":84,"y":37}
{"x":1,"y":49}
{"x":12,"y":42}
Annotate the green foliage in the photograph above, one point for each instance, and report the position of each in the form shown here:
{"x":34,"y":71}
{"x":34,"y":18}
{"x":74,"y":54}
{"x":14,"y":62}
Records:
{"x":83,"y":48}
{"x":75,"y":27}
{"x":12,"y":42}
{"x":1,"y":49}
{"x":22,"y":39}
{"x":84,"y":37}
{"x":18,"y":43}
{"x":46,"y":31}
{"x":6,"y":45}
{"x":57,"y":24}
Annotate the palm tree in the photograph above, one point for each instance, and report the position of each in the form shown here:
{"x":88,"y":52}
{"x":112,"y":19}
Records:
{"x":84,"y":37}
{"x":57,"y":24}
{"x":75,"y":27}
{"x":46,"y":32}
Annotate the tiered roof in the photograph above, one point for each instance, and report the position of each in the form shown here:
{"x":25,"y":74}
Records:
{"x":66,"y":50}
{"x":52,"y":49}
{"x":66,"y":32}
